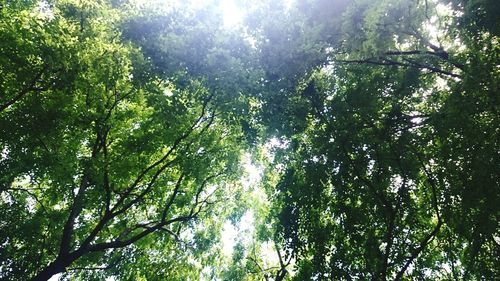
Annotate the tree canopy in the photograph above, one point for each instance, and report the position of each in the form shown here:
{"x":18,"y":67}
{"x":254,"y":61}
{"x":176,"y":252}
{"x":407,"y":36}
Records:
{"x":127,"y":129}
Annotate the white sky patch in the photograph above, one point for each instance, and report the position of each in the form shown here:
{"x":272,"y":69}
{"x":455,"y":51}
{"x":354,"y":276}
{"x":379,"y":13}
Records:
{"x":231,"y":13}
{"x":252,"y":41}
{"x":45,"y":9}
{"x":243,"y":232}
{"x":253,"y":174}
{"x":55,"y":277}
{"x":229,"y":233}
{"x":442,"y":84}
{"x":288,"y":4}
{"x":269,"y":255}
{"x":22,"y":181}
{"x":166,"y":5}
{"x":5,"y":153}
{"x":168,"y":92}
{"x":435,"y":27}
{"x":278,"y":143}
{"x":58,"y":276}
{"x":273,"y":144}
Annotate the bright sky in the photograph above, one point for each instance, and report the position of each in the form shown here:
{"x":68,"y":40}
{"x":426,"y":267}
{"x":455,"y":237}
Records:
{"x":231,"y":13}
{"x":244,"y":230}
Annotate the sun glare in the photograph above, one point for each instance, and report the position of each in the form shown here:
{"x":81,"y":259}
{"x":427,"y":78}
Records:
{"x":231,"y":13}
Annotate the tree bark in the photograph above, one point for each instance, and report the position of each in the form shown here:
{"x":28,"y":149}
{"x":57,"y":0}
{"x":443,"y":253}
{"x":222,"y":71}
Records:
{"x":55,"y":267}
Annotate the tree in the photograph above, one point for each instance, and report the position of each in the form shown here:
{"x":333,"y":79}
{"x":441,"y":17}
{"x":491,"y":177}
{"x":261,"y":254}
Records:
{"x":123,"y":127}
{"x":376,"y":183}
{"x":99,"y":153}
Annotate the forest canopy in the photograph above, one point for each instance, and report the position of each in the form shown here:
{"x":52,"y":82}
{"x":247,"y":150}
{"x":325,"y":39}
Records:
{"x":328,"y":139}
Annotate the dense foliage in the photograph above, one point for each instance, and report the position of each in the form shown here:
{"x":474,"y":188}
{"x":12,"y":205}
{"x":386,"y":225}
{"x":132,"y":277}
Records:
{"x":392,"y":166}
{"x":124,"y":128}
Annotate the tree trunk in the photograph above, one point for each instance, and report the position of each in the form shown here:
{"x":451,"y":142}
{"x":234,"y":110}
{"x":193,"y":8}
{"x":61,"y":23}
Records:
{"x":57,"y":266}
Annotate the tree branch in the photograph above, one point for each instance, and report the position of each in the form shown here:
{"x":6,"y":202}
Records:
{"x":426,"y":241}
{"x":176,"y":143}
{"x":172,"y":198}
{"x":27,"y":89}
